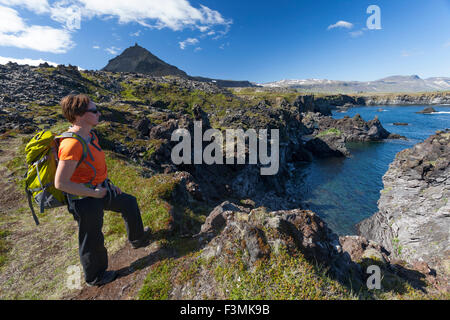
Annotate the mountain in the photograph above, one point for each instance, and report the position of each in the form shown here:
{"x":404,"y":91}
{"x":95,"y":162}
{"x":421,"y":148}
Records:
{"x":137,"y":59}
{"x":397,"y":83}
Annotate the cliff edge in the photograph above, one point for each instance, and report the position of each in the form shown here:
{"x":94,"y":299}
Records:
{"x":413,"y":221}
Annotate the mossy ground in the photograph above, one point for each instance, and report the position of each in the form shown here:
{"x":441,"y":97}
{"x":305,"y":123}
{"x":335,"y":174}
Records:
{"x":36,"y":257}
{"x":34,"y":260}
{"x":331,"y":131}
{"x":284,"y":275}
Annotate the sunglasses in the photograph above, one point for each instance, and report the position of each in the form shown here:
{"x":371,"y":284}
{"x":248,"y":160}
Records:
{"x":93,"y":110}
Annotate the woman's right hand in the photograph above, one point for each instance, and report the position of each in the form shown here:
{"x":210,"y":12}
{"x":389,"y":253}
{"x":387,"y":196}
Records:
{"x":100,"y":192}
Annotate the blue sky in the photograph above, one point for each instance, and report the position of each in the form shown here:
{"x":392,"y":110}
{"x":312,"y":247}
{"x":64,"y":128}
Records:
{"x":260,"y":41}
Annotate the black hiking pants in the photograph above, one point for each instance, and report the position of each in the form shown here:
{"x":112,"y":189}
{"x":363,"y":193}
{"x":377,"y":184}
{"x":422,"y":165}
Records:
{"x":88,"y":212}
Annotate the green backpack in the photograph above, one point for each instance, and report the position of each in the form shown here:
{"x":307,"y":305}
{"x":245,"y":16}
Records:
{"x":42,"y":160}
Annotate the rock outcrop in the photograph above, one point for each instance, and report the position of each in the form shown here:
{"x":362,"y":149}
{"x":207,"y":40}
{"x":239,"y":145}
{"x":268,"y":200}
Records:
{"x":405,"y":99}
{"x":353,"y":129}
{"x":324,"y":104}
{"x":139,"y":124}
{"x":238,"y":240}
{"x":25,"y":84}
{"x":264,"y":232}
{"x":427,"y":110}
{"x":413,"y":221}
{"x":330,"y":135}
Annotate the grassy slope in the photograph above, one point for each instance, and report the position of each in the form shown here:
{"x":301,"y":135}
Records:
{"x":291,"y":94}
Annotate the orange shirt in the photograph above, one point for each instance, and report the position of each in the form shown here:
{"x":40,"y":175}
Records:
{"x":71,"y":149}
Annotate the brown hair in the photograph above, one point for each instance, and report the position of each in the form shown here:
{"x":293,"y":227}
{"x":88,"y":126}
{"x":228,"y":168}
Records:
{"x":74,"y":105}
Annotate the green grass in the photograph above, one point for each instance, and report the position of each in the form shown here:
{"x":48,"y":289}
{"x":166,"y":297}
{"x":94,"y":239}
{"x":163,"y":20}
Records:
{"x":46,"y":71}
{"x":396,"y":246}
{"x":281,"y":277}
{"x":151,"y":194}
{"x":331,"y":131}
{"x":4,"y":246}
{"x":157,"y":285}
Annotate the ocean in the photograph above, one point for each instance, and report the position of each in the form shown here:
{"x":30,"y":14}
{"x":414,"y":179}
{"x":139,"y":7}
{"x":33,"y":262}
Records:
{"x":344,"y":191}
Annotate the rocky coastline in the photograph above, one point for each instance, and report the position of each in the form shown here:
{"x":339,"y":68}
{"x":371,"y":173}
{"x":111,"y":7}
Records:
{"x":405,"y":99}
{"x":252,"y":214}
{"x":413,"y":220}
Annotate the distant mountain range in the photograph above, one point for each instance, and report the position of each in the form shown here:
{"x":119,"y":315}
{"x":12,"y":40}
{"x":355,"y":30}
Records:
{"x":139,"y":60}
{"x":390,"y":84}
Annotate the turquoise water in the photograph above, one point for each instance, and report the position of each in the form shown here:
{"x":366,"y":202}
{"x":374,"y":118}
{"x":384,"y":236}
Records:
{"x":344,"y":191}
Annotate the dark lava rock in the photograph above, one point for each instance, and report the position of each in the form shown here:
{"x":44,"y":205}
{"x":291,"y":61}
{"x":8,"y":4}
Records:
{"x":413,"y":220}
{"x":327,"y":146}
{"x":427,"y":110}
{"x":143,"y":126}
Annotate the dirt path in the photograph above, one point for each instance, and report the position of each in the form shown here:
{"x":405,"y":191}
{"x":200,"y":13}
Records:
{"x":132,"y":266}
{"x":39,"y":256}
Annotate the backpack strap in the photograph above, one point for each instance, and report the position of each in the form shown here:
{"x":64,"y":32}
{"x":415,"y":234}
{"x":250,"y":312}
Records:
{"x":94,"y":137}
{"x":30,"y":203}
{"x":86,"y":150}
{"x":73,"y":135}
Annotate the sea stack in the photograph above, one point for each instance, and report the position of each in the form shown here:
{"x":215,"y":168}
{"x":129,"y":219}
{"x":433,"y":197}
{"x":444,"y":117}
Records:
{"x":427,"y":110}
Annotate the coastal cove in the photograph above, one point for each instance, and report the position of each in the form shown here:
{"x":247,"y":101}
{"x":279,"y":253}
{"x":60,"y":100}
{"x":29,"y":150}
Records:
{"x":344,"y":191}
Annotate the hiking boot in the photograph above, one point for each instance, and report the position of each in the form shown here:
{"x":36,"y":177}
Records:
{"x":144,"y":240}
{"x":107,"y":277}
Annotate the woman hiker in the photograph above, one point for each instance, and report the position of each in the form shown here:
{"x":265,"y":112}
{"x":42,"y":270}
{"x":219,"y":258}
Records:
{"x":89,"y":191}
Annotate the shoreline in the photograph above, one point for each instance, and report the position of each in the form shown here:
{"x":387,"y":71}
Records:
{"x":337,"y":115}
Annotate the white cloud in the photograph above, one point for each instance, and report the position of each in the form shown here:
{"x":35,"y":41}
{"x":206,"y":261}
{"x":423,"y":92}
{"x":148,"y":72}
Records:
{"x":96,"y":47}
{"x":223,"y":45}
{"x":70,"y":15}
{"x":37,"y":6}
{"x":172,"y":14}
{"x":187,"y":42}
{"x":356,"y":34}
{"x":45,"y":39}
{"x":197,"y":49}
{"x":411,"y":53}
{"x":341,"y":24}
{"x":30,"y":62}
{"x":10,"y":20}
{"x":113,"y":50}
{"x":222,"y":33}
{"x":16,"y":33}
{"x":212,"y":16}
{"x":136,"y":34}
